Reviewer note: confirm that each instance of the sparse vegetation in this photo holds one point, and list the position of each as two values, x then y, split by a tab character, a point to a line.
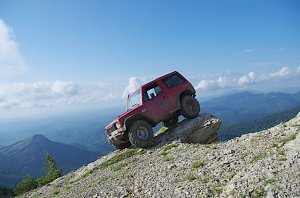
259	157
259	192
282	158
215	191
119	166
169	146
163	153
269	181
197	164
55	192
190	177
212	145
203	179
121	156
274	145
289	137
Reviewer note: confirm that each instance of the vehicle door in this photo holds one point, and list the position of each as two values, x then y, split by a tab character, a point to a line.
155	102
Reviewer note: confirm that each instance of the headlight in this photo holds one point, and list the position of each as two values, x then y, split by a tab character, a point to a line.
118	124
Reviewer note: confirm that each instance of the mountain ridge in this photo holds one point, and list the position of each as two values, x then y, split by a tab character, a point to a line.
27	157
247	106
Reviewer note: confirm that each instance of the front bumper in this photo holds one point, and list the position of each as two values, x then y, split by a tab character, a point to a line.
117	136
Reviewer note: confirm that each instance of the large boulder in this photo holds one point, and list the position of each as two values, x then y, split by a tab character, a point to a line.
202	129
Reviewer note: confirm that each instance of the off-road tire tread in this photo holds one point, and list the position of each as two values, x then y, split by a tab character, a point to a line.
185	112
134	140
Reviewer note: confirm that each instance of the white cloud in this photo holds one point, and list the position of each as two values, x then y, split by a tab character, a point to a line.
133	84
37	94
206	84
284	71
231	81
11	60
225	81
60	87
247	79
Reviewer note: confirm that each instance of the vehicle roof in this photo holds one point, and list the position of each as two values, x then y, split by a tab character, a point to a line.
156	79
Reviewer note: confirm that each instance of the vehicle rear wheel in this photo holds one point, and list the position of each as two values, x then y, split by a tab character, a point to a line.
171	122
190	107
121	145
140	134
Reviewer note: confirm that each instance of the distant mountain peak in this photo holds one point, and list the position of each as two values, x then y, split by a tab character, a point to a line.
39	138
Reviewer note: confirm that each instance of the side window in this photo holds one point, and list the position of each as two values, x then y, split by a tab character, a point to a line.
173	81
152	91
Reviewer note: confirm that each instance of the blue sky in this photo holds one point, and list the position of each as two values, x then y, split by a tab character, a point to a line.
91	53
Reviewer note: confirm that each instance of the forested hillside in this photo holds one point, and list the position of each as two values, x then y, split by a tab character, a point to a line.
229	132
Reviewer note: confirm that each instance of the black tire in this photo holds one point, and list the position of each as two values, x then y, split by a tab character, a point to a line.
122	145
140	134
190	107
171	122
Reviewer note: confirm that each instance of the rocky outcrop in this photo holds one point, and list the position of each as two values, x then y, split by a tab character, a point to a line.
262	164
202	129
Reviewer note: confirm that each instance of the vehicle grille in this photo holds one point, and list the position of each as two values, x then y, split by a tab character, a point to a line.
111	129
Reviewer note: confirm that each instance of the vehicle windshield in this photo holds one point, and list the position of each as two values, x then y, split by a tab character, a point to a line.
134	100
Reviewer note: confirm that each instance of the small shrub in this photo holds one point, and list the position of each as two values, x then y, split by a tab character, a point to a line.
67	188
55	192
197	164
163	153
216	191
281	151
203	179
190	177
274	145
282	158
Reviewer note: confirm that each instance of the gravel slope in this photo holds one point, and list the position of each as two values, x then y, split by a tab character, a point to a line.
261	164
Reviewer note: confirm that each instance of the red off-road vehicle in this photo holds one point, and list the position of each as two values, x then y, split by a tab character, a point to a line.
161	100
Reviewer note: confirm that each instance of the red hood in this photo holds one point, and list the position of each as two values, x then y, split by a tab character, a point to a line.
123	116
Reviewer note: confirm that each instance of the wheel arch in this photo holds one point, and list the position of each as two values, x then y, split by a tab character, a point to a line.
182	94
134	118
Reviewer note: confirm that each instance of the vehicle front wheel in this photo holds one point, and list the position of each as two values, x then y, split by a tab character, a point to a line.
140	134
190	107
